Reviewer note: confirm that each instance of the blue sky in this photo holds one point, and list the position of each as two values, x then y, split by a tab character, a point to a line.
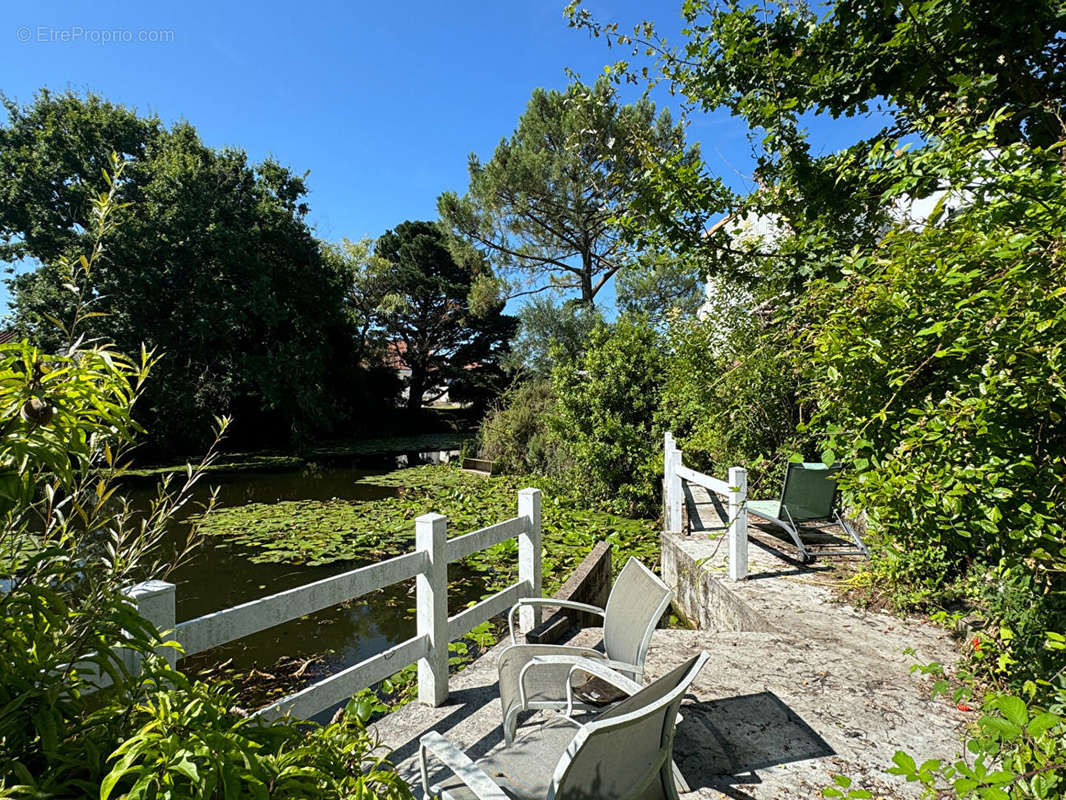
381	102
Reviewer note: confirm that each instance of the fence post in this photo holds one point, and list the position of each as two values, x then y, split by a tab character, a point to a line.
431	593
738	523
529	555
668	449
672	490
155	601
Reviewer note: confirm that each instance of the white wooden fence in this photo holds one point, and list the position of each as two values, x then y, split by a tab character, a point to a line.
428	565
735	489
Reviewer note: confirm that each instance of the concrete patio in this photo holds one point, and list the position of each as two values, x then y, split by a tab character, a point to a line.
798	687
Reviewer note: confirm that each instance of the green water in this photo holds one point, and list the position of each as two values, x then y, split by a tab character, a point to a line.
220	575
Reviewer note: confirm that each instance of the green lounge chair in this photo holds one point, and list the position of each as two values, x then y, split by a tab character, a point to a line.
809	494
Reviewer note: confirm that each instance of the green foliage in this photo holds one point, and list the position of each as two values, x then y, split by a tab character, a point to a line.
212	265
60	408
549	332
426	310
928	351
516	434
661	286
955	439
607	405
730	396
545	204
774	63
88	708
1020	610
302	532
186	745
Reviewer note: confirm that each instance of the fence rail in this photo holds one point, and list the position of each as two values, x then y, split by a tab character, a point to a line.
220	627
735	489
428	565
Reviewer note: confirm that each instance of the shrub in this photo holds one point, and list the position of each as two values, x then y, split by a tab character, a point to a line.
185	744
730	396
607	404
937	364
516	432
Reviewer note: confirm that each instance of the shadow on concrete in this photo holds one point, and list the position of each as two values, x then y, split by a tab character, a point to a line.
768	539
720	744
698	516
462	704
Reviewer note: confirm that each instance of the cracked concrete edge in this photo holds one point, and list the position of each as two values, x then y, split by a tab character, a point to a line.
703	598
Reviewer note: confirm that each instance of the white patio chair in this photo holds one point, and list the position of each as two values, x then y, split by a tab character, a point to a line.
538	676
624	753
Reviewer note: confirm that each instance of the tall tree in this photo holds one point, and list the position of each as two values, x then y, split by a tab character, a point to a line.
211	263
907	64
432	313
549	332
545	205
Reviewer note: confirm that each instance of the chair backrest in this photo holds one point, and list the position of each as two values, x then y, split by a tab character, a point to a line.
809	491
634	607
627	751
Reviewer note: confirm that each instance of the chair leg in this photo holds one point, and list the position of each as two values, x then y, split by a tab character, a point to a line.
671	781
851	532
679	782
510	725
793	531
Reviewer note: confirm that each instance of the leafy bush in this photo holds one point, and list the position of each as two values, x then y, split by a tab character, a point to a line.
1019	611
607	406
185	744
550	332
517	435
937	365
731	395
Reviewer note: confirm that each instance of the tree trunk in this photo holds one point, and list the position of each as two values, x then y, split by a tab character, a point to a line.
587	294
416	387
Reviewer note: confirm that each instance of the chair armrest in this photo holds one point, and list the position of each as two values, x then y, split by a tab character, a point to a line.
601	671
548	601
615	666
600	667
460	764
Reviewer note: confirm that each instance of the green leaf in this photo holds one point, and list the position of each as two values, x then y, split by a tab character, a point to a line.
1002	728
904	762
188	769
1014	709
1042	723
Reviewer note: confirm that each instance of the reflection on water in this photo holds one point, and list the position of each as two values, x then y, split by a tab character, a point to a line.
219	576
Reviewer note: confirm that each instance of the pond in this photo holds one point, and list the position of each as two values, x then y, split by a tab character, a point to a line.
220	574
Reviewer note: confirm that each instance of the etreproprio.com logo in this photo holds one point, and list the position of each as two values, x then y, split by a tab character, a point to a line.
48	34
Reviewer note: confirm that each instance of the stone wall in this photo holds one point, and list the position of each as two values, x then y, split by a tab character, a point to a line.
700	595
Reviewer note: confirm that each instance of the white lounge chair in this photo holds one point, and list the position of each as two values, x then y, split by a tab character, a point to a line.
538	676
622	754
